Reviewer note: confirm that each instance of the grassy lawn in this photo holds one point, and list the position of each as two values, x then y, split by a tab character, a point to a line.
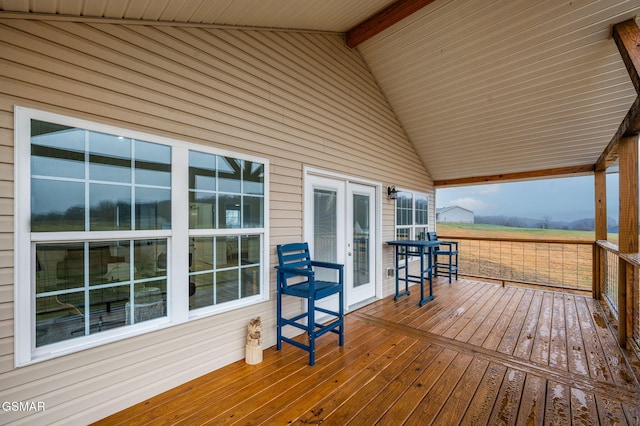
496	231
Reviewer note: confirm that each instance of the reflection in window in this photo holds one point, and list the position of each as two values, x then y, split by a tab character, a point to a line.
86	287
404	208
111	177
224	268
224	192
100	239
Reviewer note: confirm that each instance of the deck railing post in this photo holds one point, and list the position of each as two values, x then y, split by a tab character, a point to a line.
628	231
600	179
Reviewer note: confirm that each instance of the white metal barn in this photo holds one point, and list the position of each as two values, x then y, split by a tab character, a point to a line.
455	214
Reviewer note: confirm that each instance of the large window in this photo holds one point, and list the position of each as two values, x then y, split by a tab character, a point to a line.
412	216
120	232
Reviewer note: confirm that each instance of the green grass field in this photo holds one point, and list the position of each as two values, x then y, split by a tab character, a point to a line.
496	231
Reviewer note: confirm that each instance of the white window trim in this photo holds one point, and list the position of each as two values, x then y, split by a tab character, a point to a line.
177	239
413	226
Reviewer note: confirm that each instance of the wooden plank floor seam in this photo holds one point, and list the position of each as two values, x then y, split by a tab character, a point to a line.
629	394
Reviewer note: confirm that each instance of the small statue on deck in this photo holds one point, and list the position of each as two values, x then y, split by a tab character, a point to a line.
254	341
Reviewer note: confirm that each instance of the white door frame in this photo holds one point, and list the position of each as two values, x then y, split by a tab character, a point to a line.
308	223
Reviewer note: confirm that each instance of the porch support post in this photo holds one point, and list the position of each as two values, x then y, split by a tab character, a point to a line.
628	232
601	231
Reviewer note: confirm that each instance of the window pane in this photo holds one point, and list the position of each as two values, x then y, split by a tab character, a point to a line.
226	252
253	178
229	174
150	258
403	234
149	302
59	317
202	210
153	208
56	150
227	286
201	256
107	308
153	164
361	240
203	295
111	259
110	207
404	209
250	248
421	233
422	210
59	267
57	206
229	216
110	158
101	261
325	216
202	171
252	212
250	281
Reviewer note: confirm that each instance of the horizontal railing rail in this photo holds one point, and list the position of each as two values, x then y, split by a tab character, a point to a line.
566	264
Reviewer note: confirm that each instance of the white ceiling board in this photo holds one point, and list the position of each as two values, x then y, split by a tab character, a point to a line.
505	86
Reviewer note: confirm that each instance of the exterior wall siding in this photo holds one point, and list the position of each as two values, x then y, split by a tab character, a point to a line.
297	99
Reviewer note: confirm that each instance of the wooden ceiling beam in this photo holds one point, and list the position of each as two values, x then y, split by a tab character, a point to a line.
627	37
534	174
382	20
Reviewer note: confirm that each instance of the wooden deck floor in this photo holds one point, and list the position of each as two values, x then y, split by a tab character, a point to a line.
478	354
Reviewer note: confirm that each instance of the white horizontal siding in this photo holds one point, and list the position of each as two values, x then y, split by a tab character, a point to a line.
296	99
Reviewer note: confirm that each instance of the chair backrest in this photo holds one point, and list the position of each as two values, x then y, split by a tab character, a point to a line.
432	236
294	255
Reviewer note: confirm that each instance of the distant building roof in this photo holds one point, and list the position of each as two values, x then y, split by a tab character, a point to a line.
446	209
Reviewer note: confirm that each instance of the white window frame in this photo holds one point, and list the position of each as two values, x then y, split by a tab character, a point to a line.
177	241
413	226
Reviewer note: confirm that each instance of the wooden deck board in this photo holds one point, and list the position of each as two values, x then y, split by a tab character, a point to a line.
478	354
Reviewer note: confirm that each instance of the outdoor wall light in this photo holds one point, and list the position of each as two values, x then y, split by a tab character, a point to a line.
392	192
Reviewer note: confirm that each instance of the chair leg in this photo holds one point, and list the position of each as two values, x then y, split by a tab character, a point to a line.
311	327
341	310
435	265
279	320
456	265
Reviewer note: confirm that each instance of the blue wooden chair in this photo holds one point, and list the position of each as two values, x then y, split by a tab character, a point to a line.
296	276
447	250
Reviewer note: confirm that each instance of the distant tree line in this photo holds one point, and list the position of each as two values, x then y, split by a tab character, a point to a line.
546	222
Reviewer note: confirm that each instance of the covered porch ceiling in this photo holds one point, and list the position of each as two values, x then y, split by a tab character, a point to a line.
484	90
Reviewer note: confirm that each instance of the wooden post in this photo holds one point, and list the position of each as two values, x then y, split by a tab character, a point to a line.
628	232
601	231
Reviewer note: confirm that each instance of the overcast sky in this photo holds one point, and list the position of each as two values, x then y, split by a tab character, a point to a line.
562	199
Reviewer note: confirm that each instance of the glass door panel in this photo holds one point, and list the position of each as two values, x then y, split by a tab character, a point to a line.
361	244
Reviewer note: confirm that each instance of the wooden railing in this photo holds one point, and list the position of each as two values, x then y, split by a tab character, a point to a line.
617	282
632	299
607	286
562	264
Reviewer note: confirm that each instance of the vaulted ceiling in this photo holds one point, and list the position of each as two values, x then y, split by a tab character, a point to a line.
482	88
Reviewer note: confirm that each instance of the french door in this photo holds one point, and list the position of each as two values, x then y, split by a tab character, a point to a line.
341	227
